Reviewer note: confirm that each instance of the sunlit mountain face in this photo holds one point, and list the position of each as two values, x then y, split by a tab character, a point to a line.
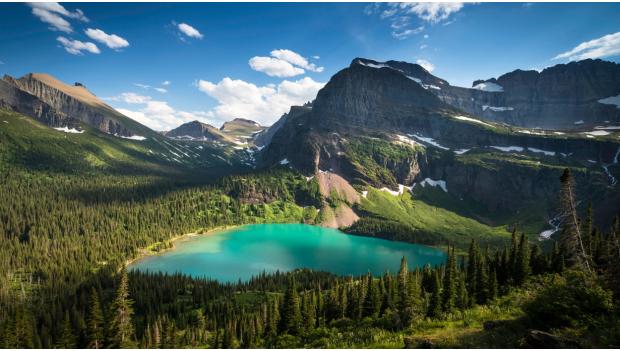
320	175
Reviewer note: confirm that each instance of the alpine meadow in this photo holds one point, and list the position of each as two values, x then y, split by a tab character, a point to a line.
309	175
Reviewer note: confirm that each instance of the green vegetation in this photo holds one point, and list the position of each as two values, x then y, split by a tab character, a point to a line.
75	207
404	218
372	158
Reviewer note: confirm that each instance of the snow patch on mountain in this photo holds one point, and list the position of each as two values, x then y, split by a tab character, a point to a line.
434	183
469	119
134	137
612	100
429	141
597	133
496	109
461	151
68	130
401	190
547	153
489	86
508	148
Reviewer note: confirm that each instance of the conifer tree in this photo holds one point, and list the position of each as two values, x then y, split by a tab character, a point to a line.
522	268
291	312
434	306
95	322
67	339
449	283
472	268
121	326
372	299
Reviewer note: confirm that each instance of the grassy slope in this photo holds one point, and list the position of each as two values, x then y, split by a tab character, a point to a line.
421	216
29	144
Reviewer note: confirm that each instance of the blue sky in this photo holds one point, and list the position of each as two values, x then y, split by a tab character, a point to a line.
222	61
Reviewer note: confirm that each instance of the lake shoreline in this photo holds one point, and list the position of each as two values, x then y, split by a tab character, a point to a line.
243	254
146	252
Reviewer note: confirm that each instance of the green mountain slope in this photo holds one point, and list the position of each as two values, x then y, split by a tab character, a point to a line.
29	144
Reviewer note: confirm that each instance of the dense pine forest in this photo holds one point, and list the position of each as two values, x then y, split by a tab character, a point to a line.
64	284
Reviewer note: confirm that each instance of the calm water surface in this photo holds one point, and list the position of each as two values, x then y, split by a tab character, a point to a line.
246	251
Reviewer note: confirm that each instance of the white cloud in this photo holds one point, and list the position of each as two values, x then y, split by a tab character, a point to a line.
433	12
425	64
238	98
274	67
166	82
423	46
143	86
52	13
189	31
404	34
605	46
283	63
112	41
75	47
161	90
158	115
400	15
296	59
316	57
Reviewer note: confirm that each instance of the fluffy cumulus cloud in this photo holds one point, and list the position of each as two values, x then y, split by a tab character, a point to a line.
112	41
156	114
401	15
55	15
274	67
264	104
76	47
605	46
433	12
425	64
189	31
283	63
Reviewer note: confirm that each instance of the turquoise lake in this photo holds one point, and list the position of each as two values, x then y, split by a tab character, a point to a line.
243	252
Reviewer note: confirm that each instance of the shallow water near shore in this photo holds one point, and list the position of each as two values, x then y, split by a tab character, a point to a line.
246	251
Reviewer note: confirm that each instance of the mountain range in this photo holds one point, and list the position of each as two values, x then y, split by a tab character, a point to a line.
491	154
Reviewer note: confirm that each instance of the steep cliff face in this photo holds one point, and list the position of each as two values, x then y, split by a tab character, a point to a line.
77	103
499	167
564	96
14	99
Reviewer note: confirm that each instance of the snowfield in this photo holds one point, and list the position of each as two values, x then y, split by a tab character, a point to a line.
134	137
489	86
68	130
597	133
612	100
547	153
496	109
508	148
469	119
401	190
434	183
429	141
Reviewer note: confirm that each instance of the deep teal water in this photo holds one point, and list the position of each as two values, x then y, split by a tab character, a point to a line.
246	251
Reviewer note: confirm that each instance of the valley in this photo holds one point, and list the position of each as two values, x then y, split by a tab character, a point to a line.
387	162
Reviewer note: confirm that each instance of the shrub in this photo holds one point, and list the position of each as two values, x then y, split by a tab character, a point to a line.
572	300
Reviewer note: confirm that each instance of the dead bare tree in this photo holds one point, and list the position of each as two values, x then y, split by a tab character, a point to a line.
571	238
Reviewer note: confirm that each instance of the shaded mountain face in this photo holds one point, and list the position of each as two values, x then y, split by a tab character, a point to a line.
565	96
384	124
70	104
197	130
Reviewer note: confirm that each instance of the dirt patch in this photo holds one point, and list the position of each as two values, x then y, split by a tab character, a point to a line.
331	182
